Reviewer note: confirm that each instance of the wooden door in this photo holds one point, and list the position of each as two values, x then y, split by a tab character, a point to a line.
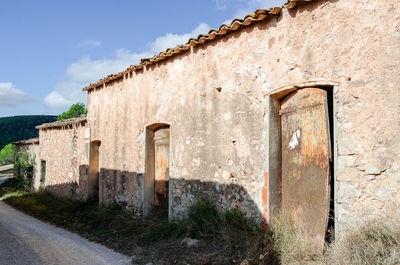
305	161
94	170
161	170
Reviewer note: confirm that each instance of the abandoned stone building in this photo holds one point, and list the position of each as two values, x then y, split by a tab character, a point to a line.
294	108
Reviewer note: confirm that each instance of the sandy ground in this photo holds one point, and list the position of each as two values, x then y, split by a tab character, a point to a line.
26	240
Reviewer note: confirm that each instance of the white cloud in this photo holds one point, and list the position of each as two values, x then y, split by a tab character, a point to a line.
222	4
66	93
68	90
171	40
79	74
88	43
247	6
86	70
10	96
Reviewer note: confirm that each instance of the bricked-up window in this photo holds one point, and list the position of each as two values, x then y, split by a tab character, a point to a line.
42	173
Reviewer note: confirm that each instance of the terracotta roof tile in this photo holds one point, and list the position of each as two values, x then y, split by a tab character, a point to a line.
259	15
63	123
26	142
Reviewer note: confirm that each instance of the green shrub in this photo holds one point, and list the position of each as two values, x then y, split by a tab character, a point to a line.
203	219
25	165
236	220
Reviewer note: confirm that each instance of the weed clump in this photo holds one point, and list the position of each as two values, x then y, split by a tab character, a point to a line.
203	220
290	243
375	242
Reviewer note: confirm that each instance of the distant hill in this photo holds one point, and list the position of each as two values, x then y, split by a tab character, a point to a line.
21	127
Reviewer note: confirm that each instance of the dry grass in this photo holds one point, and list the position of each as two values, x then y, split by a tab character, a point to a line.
371	243
290	244
376	242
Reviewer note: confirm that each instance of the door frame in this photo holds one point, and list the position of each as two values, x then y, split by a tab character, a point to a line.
149	170
273	146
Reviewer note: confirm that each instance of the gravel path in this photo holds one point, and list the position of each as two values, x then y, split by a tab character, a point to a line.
26	240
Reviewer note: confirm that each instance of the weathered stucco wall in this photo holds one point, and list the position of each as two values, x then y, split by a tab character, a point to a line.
213	98
65	152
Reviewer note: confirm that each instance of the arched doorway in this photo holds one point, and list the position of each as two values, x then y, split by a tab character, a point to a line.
156	181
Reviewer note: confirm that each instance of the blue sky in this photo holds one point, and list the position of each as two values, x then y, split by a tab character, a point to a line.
49	50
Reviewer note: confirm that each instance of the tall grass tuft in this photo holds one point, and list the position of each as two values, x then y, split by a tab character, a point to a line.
375	242
290	243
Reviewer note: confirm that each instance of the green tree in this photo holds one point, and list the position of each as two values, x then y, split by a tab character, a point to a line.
7	155
74	111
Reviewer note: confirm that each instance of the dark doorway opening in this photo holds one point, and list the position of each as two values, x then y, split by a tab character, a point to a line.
42	180
161	170
331	216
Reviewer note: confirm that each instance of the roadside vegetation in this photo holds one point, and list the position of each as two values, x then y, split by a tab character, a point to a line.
205	236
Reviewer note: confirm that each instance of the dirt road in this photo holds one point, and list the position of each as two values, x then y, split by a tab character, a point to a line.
3	179
26	240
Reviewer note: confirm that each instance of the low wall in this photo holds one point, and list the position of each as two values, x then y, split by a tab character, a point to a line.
6	171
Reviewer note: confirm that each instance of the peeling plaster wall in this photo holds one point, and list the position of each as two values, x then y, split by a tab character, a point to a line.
218	138
66	155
